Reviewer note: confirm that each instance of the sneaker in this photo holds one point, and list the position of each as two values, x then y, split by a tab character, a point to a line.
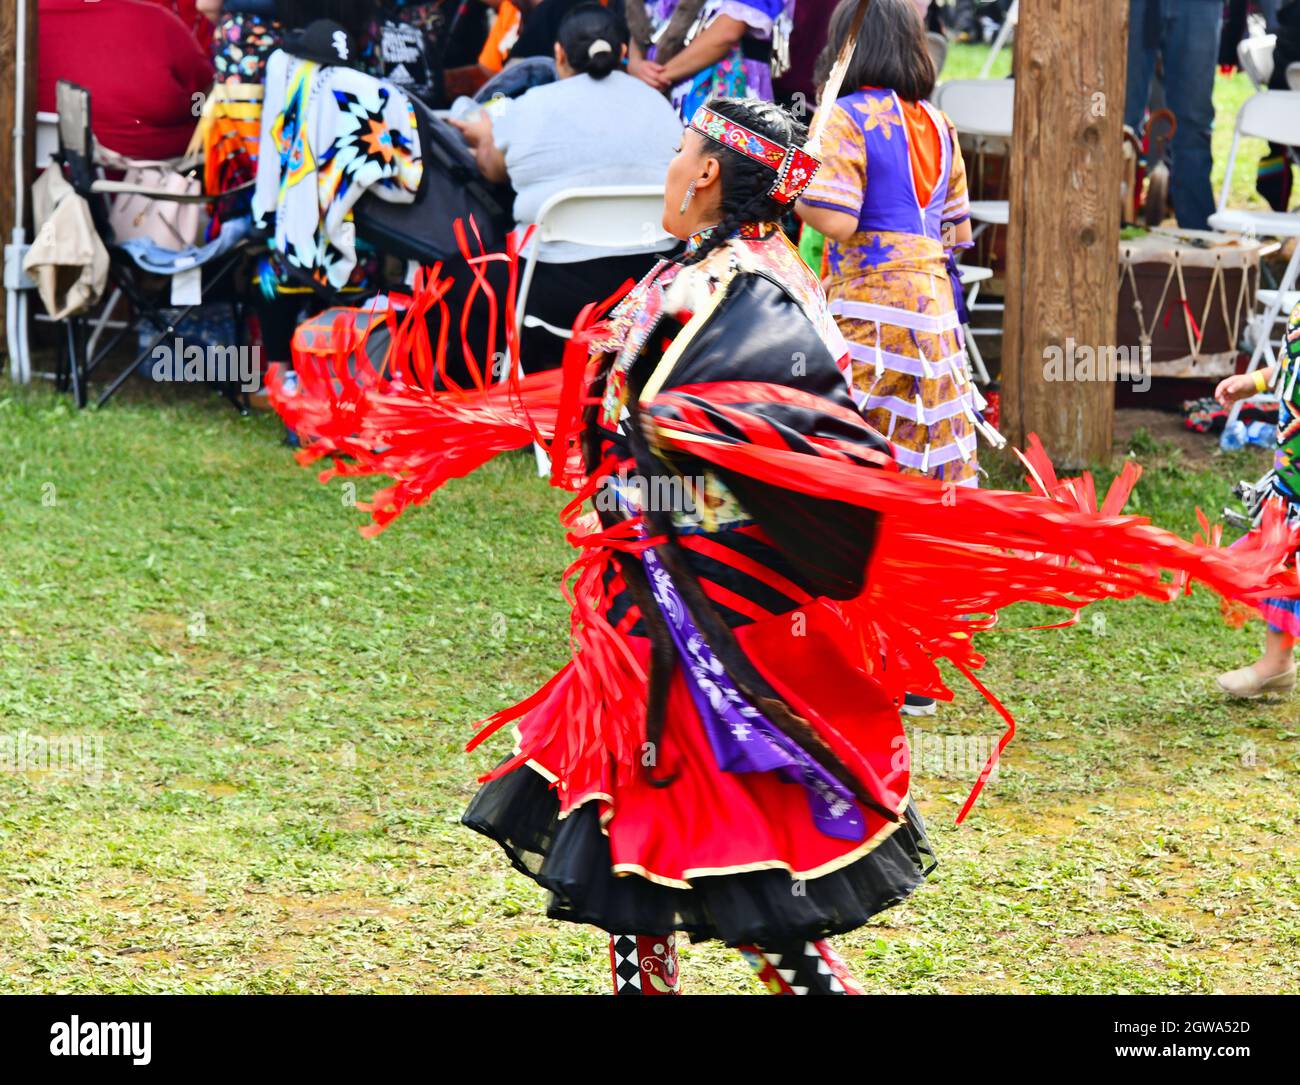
915	705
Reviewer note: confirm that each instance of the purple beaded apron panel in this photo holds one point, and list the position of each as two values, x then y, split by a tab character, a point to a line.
743	739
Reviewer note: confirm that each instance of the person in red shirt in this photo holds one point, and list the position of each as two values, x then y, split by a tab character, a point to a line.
193	14
141	64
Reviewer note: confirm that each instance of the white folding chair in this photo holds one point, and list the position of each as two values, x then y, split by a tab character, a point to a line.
1255	58
971	277
603	217
983	108
1272	115
1003	36
937	44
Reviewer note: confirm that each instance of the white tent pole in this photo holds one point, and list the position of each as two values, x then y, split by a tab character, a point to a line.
15	308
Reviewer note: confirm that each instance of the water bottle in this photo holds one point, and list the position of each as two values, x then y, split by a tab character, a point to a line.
1234	436
290	387
1261	434
1238	435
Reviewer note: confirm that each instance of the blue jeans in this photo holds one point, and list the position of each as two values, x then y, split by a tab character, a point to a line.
1186	33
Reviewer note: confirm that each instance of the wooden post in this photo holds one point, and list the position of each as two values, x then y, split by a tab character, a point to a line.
9	46
1062	275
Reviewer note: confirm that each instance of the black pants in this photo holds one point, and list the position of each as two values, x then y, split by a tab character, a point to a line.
559	293
279	318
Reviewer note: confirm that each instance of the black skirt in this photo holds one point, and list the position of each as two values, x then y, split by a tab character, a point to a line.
570	858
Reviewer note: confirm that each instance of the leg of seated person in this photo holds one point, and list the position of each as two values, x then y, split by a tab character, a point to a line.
561	291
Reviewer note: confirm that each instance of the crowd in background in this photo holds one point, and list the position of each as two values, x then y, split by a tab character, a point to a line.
686	49
563	112
762	48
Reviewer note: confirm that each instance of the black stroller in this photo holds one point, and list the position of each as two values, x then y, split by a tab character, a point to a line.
423	232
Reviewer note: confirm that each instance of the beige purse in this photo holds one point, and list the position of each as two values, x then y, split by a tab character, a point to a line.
169	225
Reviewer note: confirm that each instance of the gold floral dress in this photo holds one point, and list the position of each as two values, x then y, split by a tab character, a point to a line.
896	167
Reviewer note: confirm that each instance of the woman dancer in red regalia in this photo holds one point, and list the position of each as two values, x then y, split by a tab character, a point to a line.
756	586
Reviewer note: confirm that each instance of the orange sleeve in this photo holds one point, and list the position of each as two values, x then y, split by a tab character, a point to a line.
842	181
501	39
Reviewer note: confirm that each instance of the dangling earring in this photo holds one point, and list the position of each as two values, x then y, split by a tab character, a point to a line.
690	195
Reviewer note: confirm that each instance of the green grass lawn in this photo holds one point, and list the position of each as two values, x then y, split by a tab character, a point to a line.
282	707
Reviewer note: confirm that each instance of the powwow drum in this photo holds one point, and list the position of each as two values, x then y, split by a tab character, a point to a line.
1185	297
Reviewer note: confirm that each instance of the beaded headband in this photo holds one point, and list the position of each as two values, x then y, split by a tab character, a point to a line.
795	167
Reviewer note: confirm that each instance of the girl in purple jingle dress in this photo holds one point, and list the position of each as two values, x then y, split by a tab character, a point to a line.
891	200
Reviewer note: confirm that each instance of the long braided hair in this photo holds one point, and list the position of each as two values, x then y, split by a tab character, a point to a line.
746	184
672	39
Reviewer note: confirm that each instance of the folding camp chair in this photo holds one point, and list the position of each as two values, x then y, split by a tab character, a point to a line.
129	273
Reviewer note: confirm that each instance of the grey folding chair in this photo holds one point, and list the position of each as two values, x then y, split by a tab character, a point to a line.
136	283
